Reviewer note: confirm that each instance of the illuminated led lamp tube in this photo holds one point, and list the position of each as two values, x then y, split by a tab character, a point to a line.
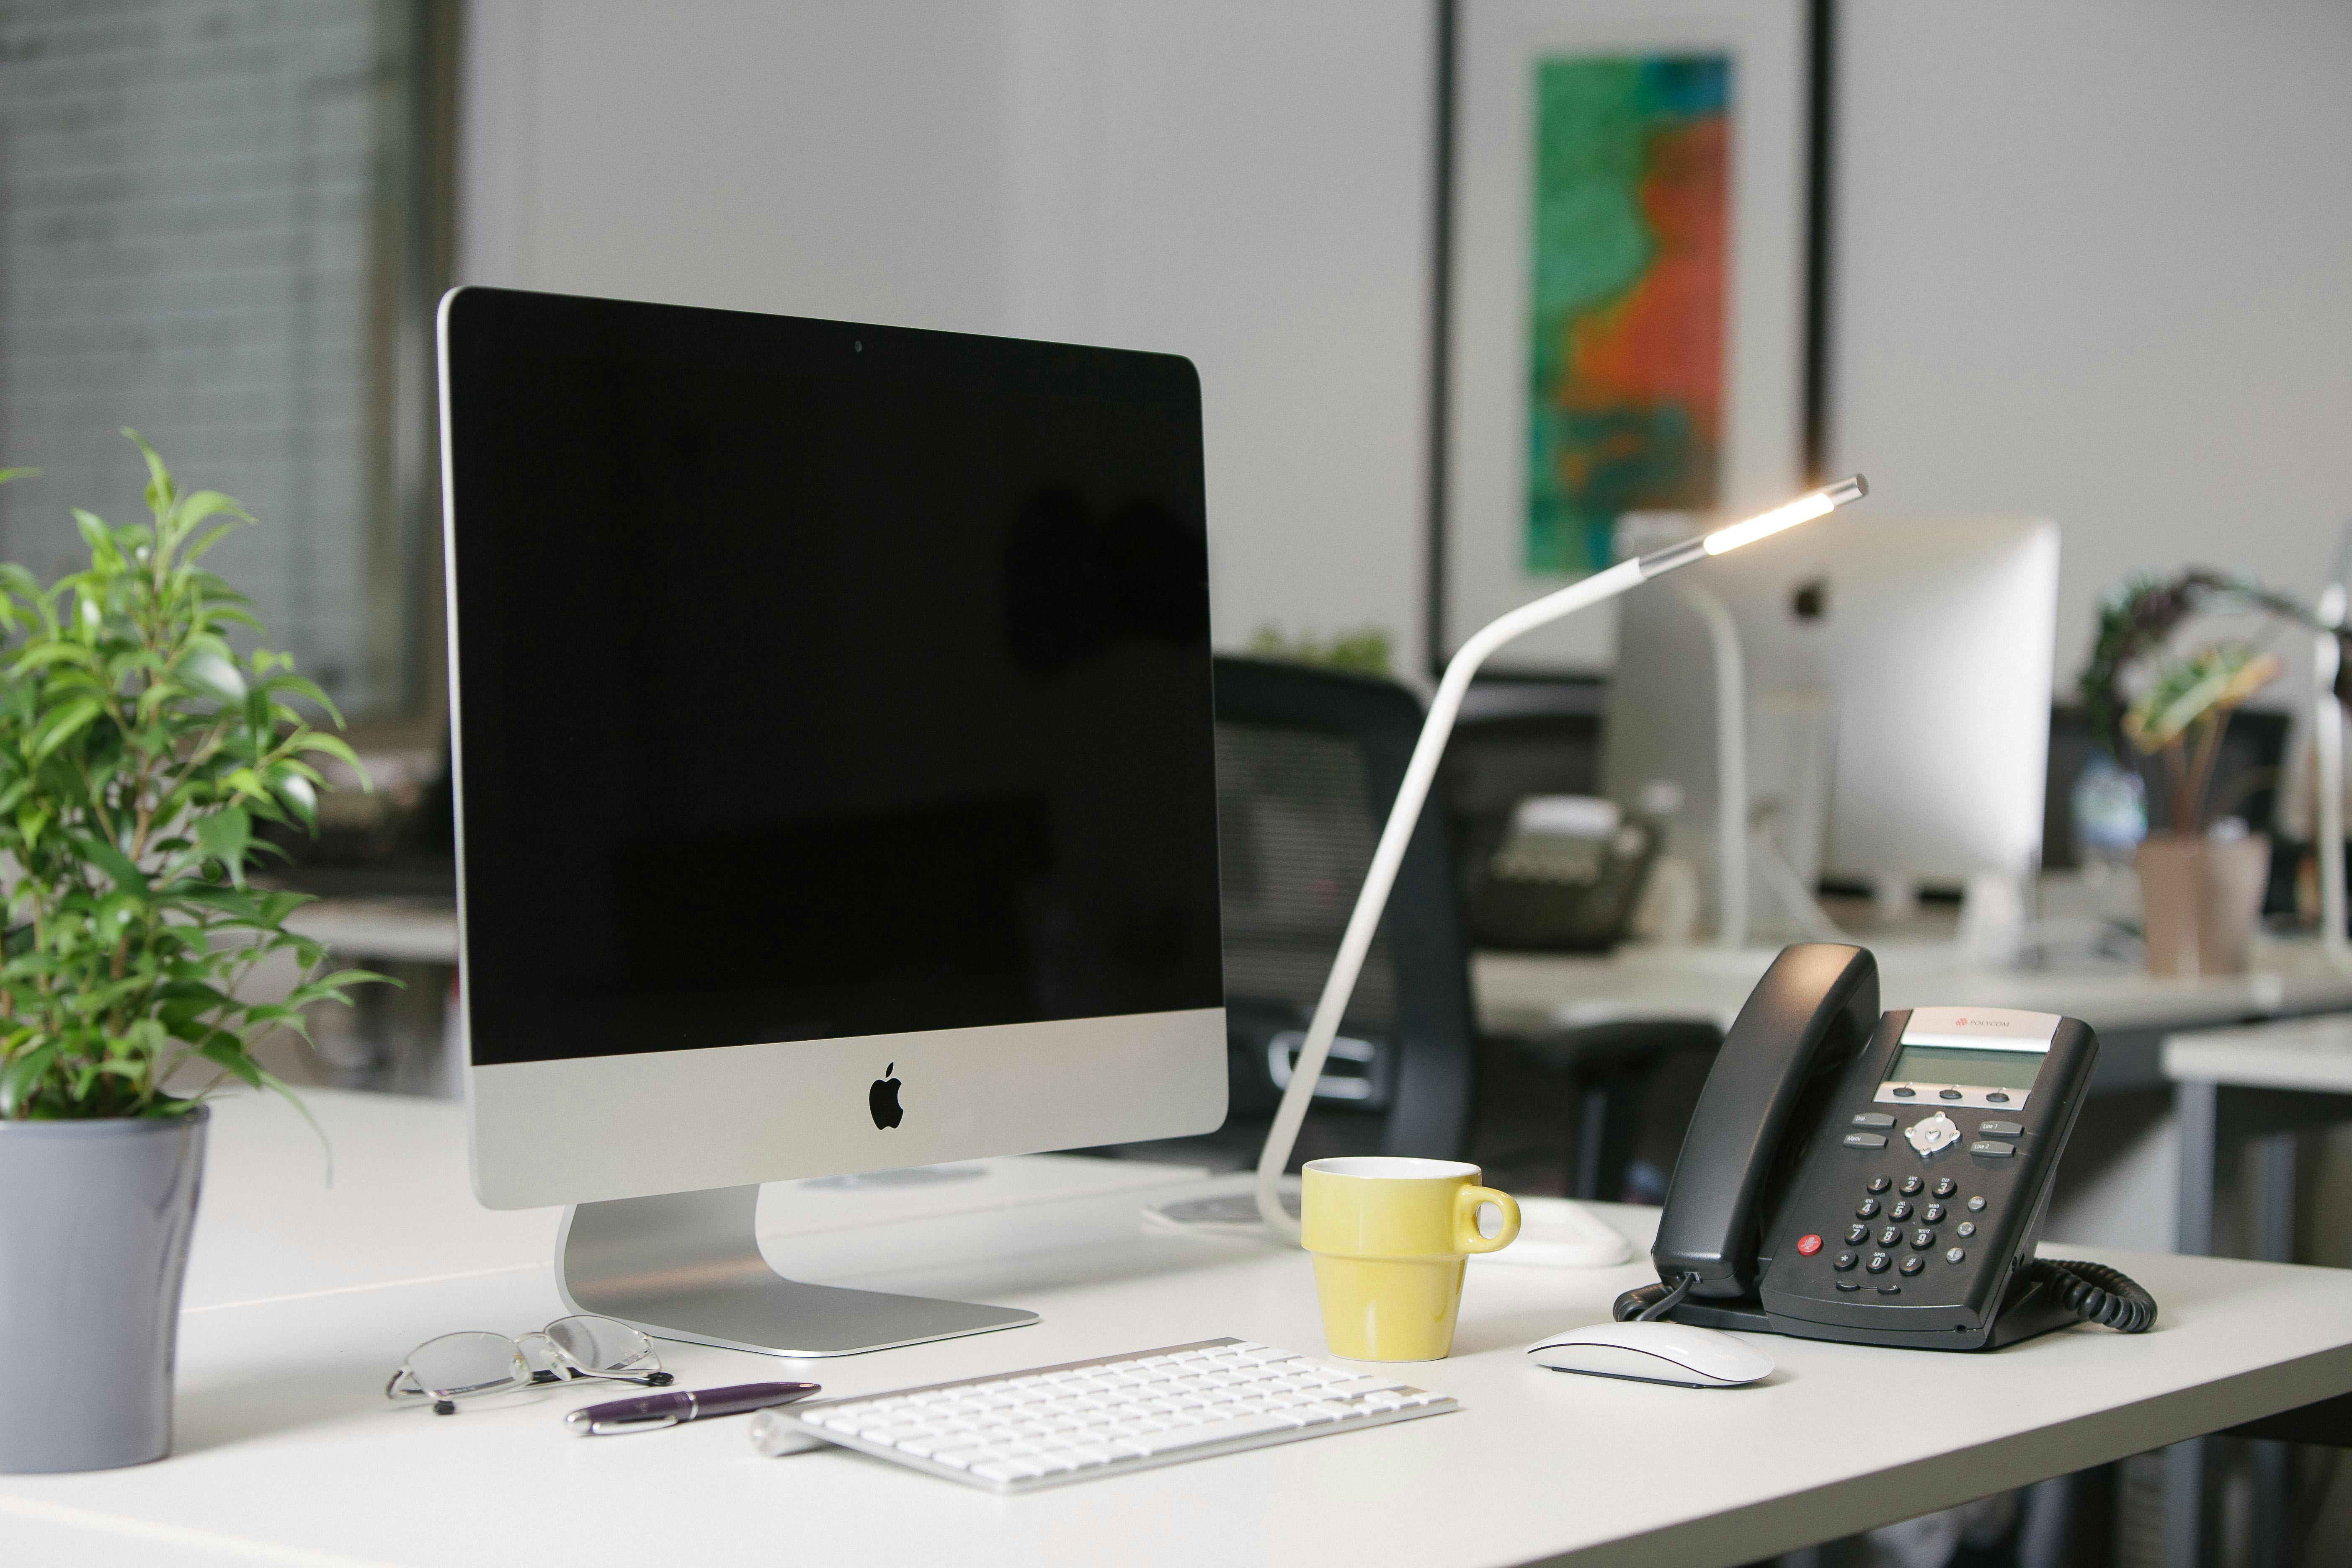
1423	770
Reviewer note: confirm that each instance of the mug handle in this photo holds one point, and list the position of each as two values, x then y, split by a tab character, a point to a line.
1465	1219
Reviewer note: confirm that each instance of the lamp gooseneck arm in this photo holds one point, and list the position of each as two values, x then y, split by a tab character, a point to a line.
1387	855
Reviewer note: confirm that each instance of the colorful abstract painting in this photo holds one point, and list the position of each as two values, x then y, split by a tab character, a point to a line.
1632	227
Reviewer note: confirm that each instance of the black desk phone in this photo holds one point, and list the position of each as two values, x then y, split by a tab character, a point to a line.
1879	1180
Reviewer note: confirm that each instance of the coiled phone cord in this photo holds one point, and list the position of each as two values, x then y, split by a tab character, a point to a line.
2091	1291
2096	1294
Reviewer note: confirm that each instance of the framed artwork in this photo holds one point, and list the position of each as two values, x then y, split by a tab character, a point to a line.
1622	316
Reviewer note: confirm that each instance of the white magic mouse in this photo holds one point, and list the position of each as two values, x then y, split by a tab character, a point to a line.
1654	1353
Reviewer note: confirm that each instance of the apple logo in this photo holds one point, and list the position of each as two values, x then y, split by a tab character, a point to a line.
882	1099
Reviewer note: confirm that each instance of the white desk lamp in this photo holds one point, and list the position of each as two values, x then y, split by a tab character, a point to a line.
1406	813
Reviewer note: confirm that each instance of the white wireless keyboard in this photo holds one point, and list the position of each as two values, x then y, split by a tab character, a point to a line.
1103	1417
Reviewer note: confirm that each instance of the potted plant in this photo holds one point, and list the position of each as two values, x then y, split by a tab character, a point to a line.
2201	880
137	751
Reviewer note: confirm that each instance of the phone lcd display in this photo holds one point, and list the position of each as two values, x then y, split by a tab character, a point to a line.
1966	1069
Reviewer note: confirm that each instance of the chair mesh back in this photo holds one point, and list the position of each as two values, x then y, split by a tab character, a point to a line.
1295	832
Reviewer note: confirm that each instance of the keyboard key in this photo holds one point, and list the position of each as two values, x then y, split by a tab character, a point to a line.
1007	1470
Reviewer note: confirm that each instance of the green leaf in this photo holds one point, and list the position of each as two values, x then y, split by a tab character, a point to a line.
23	1076
195	551
333	745
209	503
111	859
230	1055
41	654
224	836
161	490
213	676
64	724
7	474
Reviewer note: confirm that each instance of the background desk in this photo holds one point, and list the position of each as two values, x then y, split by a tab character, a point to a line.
303	1298
1532	994
2266	1083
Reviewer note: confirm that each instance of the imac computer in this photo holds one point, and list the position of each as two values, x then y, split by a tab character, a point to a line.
834	754
1896	679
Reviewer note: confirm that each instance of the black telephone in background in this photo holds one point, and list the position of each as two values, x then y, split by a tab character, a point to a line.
1878	1180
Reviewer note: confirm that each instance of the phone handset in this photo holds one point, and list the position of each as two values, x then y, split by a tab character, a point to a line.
1809	1016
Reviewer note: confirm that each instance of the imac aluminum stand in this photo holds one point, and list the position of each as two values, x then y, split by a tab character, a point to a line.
687	1266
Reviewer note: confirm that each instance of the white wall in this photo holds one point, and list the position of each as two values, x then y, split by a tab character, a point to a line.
1245	184
2092	254
2094	260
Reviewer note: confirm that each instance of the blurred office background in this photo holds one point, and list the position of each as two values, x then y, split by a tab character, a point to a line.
2085	259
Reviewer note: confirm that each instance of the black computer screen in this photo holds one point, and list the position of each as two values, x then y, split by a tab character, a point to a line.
816	679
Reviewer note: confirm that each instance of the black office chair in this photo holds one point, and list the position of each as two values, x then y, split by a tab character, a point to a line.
1308	764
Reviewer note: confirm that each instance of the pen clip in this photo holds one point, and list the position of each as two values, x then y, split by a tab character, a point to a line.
601	1428
591	1426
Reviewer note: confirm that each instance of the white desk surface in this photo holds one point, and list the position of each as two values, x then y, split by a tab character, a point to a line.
1534	993
2293	1053
303	1298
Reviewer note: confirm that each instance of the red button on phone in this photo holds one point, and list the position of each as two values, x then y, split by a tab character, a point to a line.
1809	1245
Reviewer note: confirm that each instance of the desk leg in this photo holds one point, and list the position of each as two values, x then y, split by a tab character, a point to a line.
2274	1160
2184	1504
2275	1155
2197	1112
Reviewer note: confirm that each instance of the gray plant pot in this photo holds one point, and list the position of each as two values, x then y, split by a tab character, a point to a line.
94	1223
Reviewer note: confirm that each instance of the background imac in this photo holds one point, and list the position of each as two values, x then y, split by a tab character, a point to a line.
1897	679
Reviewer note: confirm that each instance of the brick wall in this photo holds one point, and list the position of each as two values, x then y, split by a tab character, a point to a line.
187	194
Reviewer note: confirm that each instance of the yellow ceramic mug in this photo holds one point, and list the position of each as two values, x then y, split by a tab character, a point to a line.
1390	1236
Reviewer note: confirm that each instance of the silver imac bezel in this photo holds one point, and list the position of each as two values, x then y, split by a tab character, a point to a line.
590	1130
597	1128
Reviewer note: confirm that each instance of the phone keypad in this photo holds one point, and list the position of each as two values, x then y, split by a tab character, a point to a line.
1891	1253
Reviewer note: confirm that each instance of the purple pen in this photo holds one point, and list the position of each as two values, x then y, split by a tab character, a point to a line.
650	1412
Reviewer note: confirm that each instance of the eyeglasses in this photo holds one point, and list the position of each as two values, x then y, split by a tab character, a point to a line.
455	1366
